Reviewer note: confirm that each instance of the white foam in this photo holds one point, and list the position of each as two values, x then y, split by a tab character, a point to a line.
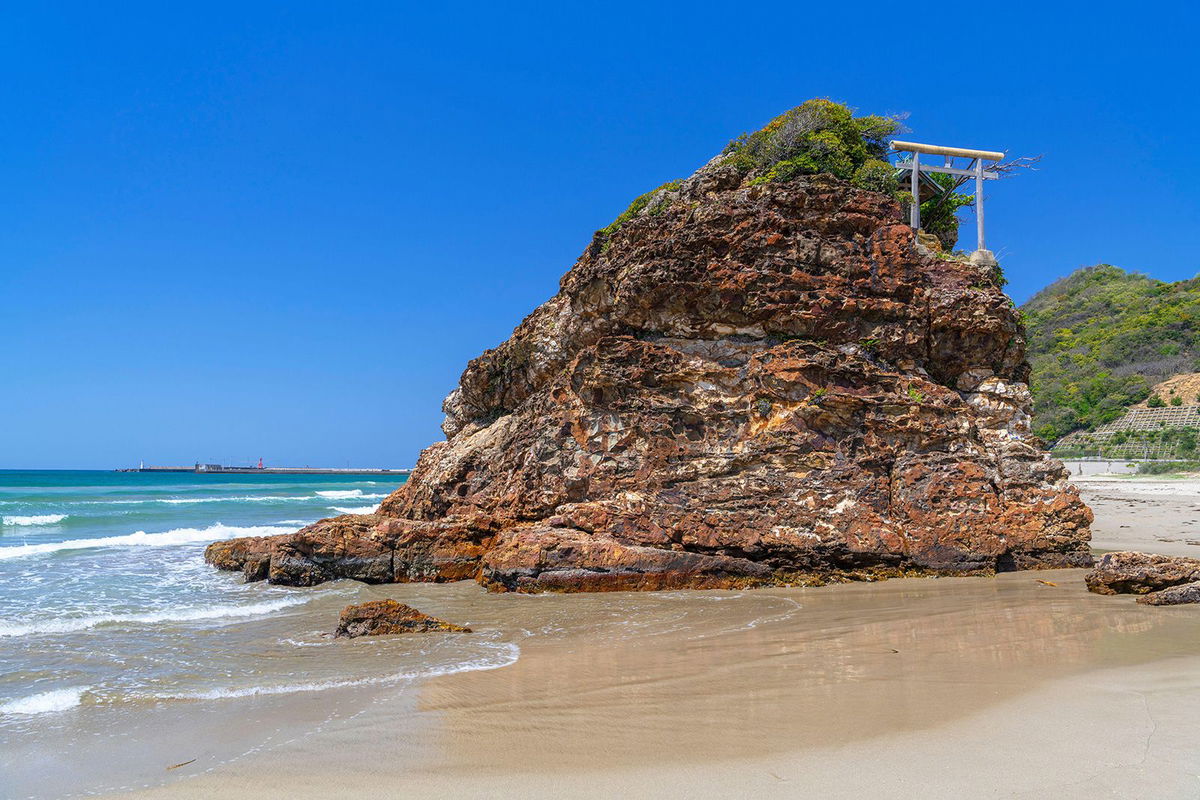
300	522
175	501
73	624
46	702
36	519
142	539
341	494
358	510
507	654
333	494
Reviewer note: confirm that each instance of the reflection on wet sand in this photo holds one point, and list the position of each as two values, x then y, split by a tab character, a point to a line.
696	676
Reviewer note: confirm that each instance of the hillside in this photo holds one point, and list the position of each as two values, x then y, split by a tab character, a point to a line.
1100	338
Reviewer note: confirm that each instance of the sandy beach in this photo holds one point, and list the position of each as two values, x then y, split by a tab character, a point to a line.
1021	685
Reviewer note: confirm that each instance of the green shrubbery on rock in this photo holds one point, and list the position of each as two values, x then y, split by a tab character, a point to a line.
823	137
1100	338
640	202
816	137
819	136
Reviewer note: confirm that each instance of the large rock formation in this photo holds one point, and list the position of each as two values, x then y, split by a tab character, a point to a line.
743	384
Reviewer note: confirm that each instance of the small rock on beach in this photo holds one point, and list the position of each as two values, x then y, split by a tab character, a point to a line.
383	617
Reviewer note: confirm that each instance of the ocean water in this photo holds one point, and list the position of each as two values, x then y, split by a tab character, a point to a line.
118	643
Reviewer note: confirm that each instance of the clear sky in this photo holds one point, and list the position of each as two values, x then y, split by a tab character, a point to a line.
232	230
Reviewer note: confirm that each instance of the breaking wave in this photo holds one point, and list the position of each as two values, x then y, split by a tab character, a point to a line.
35	519
73	624
358	510
143	539
341	494
333	494
45	702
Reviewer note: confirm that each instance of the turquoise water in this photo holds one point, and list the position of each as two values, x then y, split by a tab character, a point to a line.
111	623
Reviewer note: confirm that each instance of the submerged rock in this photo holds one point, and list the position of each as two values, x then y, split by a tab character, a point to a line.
1165	580
745	383
383	617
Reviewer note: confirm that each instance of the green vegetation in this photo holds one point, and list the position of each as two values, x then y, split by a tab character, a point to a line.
1167	467
915	394
640	202
1161	443
820	136
939	215
1100	338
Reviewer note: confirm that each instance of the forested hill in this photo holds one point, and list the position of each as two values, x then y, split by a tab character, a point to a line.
1100	338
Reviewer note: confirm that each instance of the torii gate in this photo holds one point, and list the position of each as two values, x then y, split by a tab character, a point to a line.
974	169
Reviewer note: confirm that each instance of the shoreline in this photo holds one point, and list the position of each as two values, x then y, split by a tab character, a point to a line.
1007	686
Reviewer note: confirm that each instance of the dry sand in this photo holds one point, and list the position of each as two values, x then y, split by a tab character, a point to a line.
1152	516
1023	685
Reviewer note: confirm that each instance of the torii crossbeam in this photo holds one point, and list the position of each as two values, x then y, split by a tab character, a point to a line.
918	173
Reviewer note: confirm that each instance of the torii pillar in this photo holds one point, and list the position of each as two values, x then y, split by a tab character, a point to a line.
975	169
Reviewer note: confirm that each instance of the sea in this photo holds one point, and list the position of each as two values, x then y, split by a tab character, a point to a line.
121	649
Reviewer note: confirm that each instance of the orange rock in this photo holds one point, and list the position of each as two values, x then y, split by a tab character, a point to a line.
750	385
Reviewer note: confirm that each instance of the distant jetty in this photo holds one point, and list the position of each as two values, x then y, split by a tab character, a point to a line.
220	469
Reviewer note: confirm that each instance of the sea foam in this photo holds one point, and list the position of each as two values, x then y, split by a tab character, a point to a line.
341	494
358	510
73	624
505	654
45	702
333	494
35	519
143	539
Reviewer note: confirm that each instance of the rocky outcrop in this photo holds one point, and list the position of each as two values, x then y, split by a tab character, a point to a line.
1163	580
743	384
1174	596
385	617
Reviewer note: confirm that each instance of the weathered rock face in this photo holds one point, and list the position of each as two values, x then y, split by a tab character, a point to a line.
743	385
385	617
1162	580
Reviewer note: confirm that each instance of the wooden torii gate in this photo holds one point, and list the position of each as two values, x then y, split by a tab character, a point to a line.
918	177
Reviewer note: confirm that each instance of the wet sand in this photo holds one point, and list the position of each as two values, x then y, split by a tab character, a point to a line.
1023	685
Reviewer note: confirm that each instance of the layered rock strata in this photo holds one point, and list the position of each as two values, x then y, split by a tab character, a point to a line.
744	384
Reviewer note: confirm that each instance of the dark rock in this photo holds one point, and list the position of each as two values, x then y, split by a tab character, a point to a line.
383	617
1174	596
746	384
1141	573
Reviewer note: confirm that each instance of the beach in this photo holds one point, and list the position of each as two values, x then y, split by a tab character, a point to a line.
160	677
1021	685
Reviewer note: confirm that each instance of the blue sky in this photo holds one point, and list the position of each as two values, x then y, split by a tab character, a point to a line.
240	230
